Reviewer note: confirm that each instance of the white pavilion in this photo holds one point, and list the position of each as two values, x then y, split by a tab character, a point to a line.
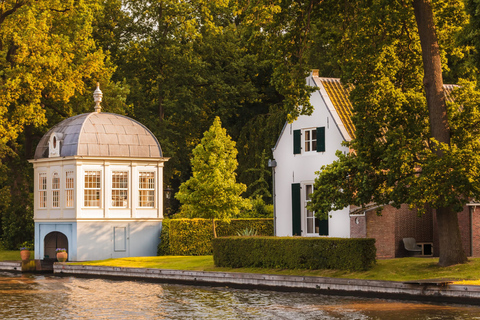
98	188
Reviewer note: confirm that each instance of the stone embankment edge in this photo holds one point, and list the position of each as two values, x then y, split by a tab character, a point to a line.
424	291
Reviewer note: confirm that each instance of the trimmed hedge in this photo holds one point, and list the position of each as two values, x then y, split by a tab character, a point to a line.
163	248
193	237
294	253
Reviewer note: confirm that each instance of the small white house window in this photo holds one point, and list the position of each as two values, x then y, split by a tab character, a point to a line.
312	221
42	189
146	189
69	185
310	140
120	189
55	190
92	188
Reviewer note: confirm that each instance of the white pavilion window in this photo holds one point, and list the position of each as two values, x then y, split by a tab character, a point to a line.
42	189
120	189
69	186
146	189
55	190
92	188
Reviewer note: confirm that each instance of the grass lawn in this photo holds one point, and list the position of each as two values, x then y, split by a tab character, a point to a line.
12	255
401	269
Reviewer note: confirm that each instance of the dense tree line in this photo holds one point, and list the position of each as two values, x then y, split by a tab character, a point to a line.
176	65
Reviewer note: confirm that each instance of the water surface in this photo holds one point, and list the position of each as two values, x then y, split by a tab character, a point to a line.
50	297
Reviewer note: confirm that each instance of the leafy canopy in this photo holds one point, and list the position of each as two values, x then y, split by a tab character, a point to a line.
395	158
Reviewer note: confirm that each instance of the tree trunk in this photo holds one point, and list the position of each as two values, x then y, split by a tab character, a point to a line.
214	229
451	249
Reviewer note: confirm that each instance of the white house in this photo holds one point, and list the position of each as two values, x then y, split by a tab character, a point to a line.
98	188
303	147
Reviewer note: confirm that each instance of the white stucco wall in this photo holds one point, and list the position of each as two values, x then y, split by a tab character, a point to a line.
90	230
105	239
301	168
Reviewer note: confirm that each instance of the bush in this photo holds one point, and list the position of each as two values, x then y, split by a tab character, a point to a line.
194	236
294	253
164	245
190	237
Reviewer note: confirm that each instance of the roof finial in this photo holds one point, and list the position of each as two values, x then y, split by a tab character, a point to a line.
97	97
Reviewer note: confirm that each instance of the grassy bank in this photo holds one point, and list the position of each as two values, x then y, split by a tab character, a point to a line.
402	269
12	255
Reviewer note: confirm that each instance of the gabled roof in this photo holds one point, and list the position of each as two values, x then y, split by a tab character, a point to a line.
336	97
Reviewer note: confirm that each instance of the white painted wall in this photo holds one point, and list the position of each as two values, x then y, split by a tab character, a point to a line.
301	168
91	231
96	239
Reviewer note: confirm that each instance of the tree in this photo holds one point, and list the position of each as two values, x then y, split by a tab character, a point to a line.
212	192
48	62
410	147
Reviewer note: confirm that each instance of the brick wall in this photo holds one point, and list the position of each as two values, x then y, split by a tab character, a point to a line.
358	226
393	225
475	231
382	228
409	225
465	230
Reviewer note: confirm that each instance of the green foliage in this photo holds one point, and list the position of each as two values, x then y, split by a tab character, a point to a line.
164	245
259	209
190	237
393	137
294	253
247	232
212	192
263	227
194	236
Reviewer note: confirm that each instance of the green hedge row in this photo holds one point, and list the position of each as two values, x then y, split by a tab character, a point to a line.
193	237
294	253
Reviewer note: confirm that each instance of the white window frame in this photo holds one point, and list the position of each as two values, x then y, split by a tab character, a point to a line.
42	190
93	188
146	191
55	190
309	216
119	194
69	188
309	142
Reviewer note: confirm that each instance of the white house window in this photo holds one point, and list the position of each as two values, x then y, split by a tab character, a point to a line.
120	189
42	189
55	190
146	189
310	142
312	222
92	188
69	185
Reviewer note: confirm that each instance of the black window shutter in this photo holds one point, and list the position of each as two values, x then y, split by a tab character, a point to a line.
321	139
297	142
296	210
323	227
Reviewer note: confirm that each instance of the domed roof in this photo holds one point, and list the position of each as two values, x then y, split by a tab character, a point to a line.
100	134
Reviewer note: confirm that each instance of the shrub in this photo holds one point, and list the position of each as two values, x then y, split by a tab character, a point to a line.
164	245
294	253
190	237
194	236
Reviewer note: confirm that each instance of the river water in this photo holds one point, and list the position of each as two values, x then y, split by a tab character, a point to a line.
25	296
